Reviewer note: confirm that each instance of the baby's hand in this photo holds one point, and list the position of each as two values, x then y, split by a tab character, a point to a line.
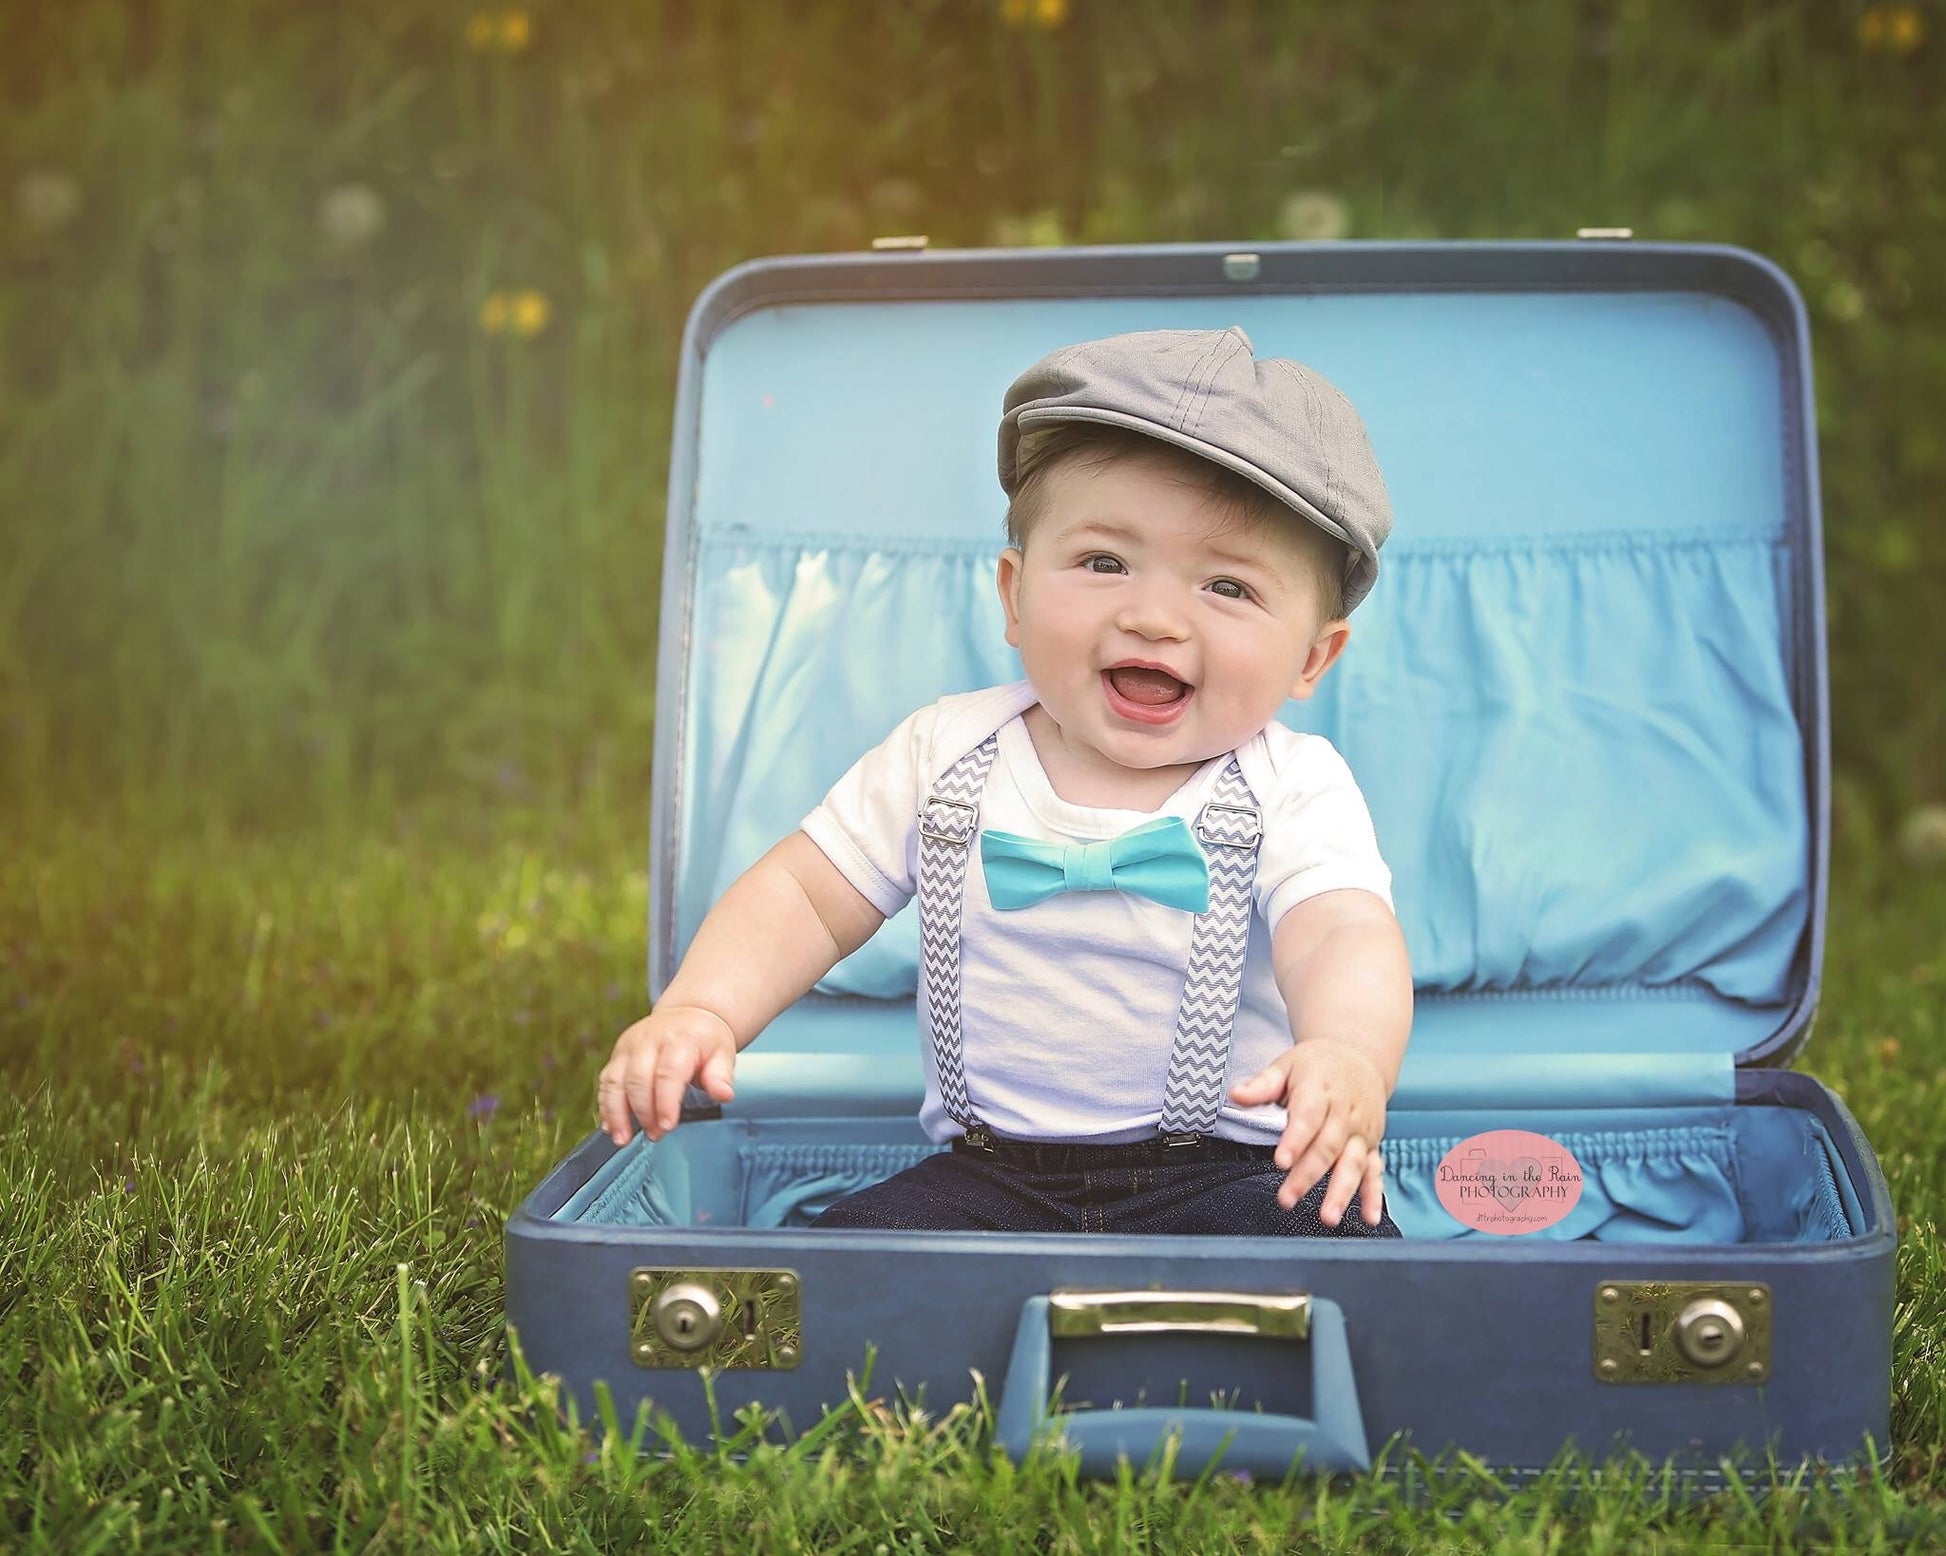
1336	1100
652	1063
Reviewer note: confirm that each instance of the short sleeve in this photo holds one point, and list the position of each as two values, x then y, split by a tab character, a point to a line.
1318	834
868	824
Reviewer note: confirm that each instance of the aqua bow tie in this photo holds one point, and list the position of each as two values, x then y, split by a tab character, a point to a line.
1158	860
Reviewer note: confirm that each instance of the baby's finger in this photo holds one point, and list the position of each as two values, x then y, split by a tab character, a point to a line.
1301	1128
1313	1164
715	1078
1345	1182
638	1089
675	1064
1267	1085
611	1103
1373	1197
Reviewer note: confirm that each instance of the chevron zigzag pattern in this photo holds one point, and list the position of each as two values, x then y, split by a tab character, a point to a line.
1230	827
947	826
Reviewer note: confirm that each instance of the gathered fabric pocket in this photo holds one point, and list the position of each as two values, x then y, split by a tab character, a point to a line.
1637	1186
792	1185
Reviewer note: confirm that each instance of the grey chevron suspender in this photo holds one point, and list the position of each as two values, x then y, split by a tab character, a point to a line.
1230	829
947	826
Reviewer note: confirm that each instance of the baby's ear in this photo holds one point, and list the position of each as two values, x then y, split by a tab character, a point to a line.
1325	649
1007	580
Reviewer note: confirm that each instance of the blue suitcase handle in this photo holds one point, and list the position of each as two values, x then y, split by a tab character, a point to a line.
1332	1441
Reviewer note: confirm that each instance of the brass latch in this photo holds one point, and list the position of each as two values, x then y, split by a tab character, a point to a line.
714	1318
1660	1331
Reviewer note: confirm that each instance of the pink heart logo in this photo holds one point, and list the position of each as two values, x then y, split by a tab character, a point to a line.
1509	1177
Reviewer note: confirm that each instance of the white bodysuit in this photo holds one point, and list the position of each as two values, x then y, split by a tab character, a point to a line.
1069	1006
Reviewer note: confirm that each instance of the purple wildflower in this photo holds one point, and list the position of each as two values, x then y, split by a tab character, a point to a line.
483	1106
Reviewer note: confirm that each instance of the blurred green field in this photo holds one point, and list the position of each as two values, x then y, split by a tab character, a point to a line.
337	356
339	341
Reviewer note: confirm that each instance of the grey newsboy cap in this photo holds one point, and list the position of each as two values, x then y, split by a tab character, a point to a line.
1269	419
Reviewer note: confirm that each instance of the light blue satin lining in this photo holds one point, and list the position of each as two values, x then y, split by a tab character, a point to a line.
1618	796
1752	1175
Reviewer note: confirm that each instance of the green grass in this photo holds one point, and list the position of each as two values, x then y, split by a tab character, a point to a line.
327	627
251	1269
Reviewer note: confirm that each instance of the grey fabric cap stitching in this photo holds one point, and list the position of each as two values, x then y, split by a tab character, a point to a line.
1274	421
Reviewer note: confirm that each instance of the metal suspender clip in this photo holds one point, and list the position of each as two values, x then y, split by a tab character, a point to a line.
976	1136
1255	826
930	824
1188	1138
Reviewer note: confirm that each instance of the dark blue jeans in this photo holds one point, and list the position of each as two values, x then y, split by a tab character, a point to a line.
1215	1187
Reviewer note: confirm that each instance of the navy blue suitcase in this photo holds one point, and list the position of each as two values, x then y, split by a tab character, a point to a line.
1587	706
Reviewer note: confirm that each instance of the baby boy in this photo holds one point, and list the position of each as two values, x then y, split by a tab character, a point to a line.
1134	883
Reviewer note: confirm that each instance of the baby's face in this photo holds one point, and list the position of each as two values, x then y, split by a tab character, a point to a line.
1154	636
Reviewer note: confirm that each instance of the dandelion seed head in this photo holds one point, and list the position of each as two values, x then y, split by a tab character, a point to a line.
46	200
1313	216
1923	837
351	216
1844	302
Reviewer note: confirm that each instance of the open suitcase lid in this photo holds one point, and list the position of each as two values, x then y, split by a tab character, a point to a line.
1586	701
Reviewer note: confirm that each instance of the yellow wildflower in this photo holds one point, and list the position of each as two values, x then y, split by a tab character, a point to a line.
1904	28
1888	1049
508	31
494	311
530	313
1051	13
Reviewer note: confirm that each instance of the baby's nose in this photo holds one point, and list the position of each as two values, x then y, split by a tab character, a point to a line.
1154	615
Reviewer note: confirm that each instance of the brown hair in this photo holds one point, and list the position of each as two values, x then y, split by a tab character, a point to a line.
1234	499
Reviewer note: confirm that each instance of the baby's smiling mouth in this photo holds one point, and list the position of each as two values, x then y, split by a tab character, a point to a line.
1147	686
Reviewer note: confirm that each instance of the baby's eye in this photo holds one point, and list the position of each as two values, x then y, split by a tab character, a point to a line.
1113	564
1230	589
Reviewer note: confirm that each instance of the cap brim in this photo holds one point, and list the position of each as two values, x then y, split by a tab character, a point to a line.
1357	585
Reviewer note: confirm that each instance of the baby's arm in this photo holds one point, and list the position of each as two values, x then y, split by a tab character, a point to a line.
783	924
1341	966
